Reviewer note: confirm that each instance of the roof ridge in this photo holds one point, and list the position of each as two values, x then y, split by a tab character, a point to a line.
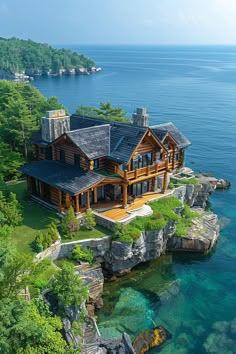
109	121
159	125
94	126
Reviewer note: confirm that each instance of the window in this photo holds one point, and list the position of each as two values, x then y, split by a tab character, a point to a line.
96	164
142	160
62	155
177	157
77	160
42	150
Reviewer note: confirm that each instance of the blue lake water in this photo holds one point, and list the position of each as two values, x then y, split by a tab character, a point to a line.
194	87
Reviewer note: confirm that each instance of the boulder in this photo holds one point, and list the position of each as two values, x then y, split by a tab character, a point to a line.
150	339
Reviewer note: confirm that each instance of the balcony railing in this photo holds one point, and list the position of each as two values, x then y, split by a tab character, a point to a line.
144	171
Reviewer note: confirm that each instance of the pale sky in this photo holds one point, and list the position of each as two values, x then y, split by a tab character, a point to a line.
120	21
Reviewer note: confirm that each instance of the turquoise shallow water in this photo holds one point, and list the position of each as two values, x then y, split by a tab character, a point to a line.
195	87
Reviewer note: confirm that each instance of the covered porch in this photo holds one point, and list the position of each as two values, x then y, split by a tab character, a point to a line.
116	211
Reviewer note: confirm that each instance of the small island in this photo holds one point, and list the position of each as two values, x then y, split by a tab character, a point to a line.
21	60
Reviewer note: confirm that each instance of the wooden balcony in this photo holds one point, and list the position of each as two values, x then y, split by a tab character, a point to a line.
148	170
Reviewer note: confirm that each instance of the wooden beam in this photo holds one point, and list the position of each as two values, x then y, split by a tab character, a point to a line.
88	199
125	195
95	195
77	203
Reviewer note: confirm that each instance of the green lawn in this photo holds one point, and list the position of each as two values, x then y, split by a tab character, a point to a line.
35	218
84	233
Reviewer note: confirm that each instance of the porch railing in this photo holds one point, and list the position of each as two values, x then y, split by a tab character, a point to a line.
144	171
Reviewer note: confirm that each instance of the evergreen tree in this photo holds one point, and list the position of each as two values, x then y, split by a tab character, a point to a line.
68	287
90	220
70	224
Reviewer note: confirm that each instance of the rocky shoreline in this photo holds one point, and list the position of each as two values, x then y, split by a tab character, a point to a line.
115	258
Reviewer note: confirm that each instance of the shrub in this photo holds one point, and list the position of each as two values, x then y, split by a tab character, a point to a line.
171	185
37	244
70	224
157	216
157	224
122	234
188	213
90	221
185	181
181	229
119	230
82	254
52	231
126	238
133	232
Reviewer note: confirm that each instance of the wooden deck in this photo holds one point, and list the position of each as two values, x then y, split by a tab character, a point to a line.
117	212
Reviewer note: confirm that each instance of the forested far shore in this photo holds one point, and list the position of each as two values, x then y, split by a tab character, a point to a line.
32	58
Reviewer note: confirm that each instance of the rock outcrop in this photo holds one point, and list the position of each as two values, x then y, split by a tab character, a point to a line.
202	235
150	245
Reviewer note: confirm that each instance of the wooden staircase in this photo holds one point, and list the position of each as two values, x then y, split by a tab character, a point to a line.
90	343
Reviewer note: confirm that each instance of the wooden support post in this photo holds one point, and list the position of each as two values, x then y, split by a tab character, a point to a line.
88	199
153	184
41	189
148	170
165	183
173	159
125	195
126	175
156	168
136	173
77	203
167	163
67	200
29	184
95	195
59	199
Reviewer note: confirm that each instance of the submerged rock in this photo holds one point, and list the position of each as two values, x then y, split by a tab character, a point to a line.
150	339
172	290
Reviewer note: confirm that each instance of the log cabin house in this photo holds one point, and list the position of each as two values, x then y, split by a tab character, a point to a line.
83	161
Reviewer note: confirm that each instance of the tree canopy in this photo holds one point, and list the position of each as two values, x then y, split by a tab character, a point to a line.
105	111
21	108
18	55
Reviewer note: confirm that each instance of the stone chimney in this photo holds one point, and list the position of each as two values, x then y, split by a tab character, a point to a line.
54	124
140	117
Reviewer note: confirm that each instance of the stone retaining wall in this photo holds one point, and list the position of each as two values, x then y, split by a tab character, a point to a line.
61	250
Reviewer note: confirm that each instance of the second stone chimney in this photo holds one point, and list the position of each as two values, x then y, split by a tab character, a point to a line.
54	124
140	117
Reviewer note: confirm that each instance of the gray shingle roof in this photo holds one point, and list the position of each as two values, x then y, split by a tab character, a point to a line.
65	177
93	141
160	131
124	137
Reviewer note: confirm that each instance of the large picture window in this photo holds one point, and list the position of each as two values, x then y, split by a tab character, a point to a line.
142	160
